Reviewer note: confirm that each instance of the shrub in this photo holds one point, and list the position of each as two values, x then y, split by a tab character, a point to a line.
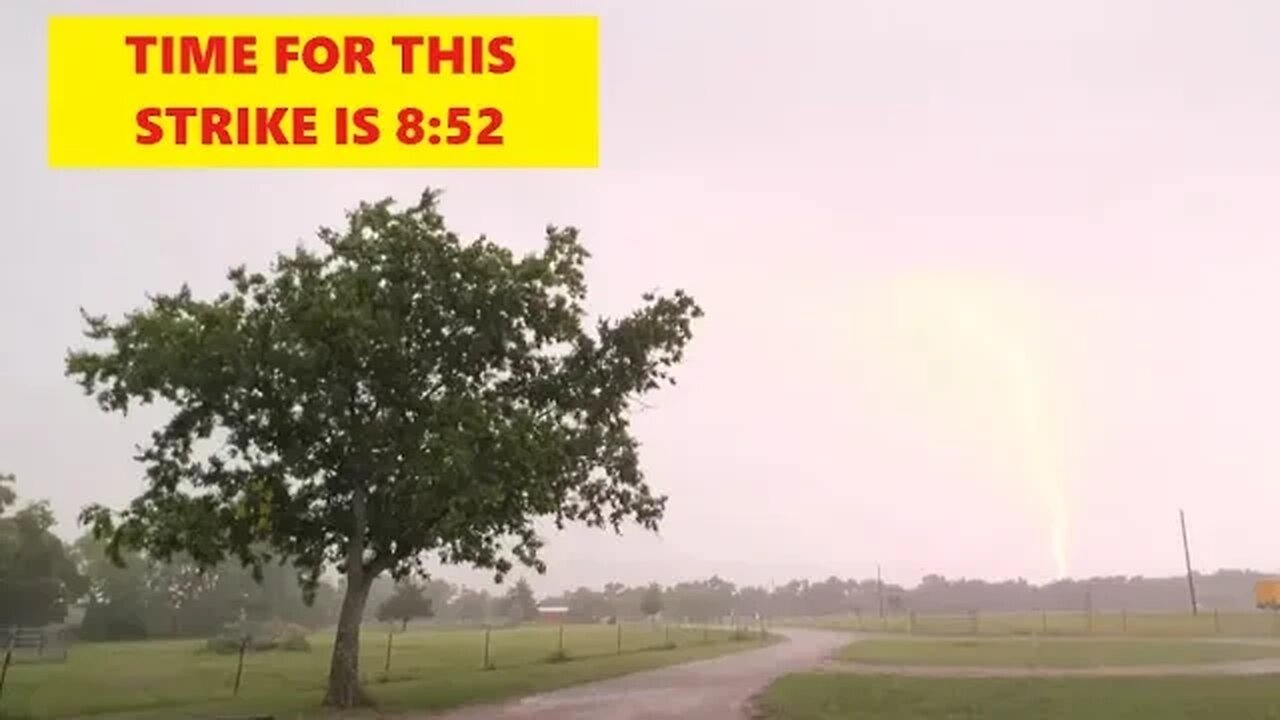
290	637
558	656
261	638
228	643
295	643
224	644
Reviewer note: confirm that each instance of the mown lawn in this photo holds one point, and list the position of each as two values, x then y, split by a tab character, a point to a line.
1050	653
1172	625
430	669
857	697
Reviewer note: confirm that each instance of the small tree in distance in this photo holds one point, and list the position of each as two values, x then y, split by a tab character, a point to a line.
396	397
520	603
651	602
472	606
408	602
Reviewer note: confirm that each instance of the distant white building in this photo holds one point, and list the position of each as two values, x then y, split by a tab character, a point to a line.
553	613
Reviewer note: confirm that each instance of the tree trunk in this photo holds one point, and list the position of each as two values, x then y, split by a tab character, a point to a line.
344	668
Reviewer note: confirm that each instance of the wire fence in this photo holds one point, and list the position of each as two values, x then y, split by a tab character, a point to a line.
507	647
251	667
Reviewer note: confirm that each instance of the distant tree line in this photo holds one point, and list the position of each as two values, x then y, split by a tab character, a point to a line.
717	598
43	581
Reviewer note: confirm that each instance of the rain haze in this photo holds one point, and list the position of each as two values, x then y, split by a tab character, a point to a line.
988	289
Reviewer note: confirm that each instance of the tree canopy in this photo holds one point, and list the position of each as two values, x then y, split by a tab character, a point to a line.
397	394
38	576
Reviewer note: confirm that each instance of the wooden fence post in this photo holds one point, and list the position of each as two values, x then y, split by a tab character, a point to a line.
386	668
619	624
486	664
8	655
244	643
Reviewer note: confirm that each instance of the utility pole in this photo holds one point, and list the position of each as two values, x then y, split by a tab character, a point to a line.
880	590
1186	552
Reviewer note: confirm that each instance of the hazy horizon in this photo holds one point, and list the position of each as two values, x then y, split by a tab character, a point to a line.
985	285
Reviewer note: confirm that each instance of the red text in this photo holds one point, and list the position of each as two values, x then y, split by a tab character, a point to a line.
227	126
458	55
358	126
323	55
193	55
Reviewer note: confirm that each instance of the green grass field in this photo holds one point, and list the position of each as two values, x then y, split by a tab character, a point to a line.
1206	624
430	669
1055	653
855	697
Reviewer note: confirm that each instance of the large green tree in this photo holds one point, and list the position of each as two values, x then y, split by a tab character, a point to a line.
396	394
38	576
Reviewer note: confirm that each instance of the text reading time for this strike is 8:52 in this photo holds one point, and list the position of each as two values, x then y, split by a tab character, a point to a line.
297	126
185	125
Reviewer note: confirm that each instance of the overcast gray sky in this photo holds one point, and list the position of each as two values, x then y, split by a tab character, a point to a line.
990	286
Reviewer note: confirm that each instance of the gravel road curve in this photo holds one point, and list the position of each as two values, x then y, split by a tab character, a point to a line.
717	689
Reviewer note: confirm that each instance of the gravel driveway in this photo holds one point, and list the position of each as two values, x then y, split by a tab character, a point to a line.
716	689
722	688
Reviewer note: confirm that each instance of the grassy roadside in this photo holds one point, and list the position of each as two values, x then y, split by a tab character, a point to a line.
1063	624
1049	653
430	670
818	696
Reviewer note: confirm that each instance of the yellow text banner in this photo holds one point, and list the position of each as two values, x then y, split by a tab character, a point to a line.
210	92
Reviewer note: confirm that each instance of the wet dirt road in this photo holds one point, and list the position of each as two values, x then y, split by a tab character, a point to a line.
717	689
